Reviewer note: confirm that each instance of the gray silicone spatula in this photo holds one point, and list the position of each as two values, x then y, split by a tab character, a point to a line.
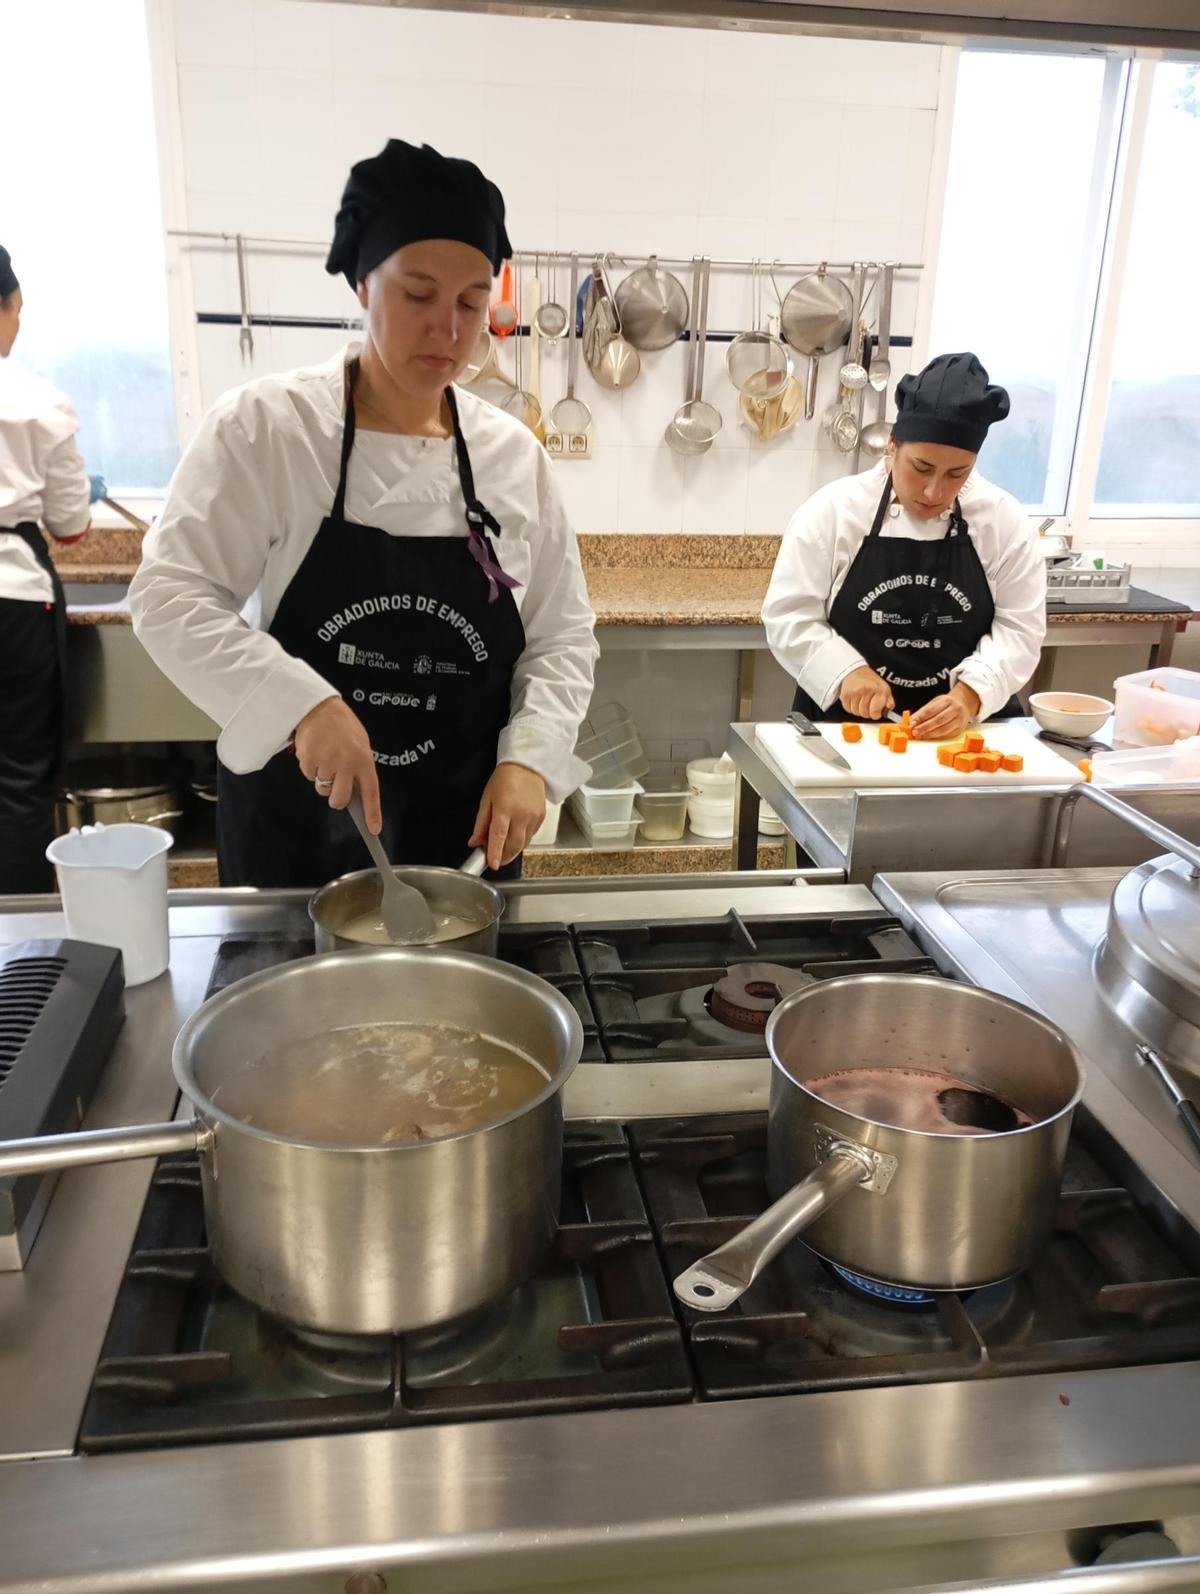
406	915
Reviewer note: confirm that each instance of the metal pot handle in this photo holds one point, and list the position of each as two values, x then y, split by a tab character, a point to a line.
51	1153
724	1276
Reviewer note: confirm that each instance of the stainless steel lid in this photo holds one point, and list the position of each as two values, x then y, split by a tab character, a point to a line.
118	779
1148	969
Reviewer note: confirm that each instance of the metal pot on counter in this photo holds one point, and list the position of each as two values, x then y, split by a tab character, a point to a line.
450	893
120	791
360	1239
910	1209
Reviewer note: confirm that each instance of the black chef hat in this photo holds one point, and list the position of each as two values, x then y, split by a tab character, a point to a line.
951	401
405	194
8	277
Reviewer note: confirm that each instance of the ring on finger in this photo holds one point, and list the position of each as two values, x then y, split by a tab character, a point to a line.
323	785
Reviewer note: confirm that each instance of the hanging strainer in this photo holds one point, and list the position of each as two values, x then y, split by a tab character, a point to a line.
571	414
695	424
758	363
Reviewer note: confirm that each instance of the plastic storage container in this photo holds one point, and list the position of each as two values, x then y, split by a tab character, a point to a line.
1156	707
663	807
1148	766
613	835
607	804
713	777
710	816
546	833
769	822
609	742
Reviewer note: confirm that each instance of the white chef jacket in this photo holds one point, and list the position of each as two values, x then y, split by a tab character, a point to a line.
41	477
819	546
244	506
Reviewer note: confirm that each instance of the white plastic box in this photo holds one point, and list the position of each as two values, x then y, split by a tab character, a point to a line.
613	835
607	804
1156	715
1148	766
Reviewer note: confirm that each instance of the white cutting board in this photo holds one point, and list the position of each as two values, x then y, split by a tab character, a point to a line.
874	765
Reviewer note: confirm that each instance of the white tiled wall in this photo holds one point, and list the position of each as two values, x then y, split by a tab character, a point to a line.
628	139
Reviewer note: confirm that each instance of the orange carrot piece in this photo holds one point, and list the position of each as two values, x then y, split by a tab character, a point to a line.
946	756
989	762
885	735
851	732
905	720
1013	763
974	742
1085	769
966	762
899	741
1157	686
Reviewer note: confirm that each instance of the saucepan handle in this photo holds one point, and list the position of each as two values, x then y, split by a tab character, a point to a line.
723	1277
52	1153
476	863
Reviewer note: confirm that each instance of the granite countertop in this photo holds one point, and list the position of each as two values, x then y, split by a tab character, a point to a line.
646	580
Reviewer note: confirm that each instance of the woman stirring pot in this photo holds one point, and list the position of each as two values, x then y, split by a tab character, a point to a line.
365	574
917	585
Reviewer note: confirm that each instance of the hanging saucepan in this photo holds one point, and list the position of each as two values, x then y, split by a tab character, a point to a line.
375	1238
611	358
927	1123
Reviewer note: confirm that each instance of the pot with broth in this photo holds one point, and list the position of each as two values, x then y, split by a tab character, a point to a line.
466	911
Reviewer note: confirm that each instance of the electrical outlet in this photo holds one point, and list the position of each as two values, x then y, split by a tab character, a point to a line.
569	445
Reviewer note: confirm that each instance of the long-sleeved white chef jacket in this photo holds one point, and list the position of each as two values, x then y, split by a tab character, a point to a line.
244	506
41	477
819	546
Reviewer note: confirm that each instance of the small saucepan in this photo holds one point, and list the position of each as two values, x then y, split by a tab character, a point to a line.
467	910
964	1200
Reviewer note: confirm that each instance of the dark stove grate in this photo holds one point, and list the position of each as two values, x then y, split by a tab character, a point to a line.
186	1361
1107	1291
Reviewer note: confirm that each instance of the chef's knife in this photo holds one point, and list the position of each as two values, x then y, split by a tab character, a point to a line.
814	742
1081	744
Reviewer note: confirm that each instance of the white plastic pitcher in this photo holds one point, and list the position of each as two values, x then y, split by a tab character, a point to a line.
113	880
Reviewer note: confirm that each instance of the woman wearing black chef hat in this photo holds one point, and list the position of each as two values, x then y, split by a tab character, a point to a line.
917	585
364	574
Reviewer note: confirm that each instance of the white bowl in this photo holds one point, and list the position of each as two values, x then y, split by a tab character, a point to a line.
1070	713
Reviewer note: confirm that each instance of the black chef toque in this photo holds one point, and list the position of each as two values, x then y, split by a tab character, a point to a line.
951	401
404	195
8	277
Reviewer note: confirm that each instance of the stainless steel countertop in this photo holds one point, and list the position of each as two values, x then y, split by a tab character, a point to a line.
881	1489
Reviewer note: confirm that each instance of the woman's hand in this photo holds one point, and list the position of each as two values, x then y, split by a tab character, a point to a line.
334	752
946	716
866	694
512	807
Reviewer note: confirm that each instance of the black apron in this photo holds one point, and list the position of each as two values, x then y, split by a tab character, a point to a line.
420	636
913	610
33	658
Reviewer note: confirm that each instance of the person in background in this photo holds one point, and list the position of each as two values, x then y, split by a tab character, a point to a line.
916	585
42	483
364	573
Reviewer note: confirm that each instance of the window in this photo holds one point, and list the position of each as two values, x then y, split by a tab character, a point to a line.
1150	456
82	219
1028	188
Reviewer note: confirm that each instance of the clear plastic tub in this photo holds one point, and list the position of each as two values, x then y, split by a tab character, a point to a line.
607	804
663	807
606	836
1157	707
1148	766
609	742
710	817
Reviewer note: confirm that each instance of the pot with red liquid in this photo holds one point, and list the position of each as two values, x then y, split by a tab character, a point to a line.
926	1122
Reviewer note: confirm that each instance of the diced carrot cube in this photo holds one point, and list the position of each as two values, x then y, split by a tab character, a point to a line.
885	735
1085	768
899	741
989	763
966	762
851	732
946	756
906	719
974	742
1013	763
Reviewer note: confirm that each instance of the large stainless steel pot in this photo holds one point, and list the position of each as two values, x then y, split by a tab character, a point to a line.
120	791
446	891
361	1239
901	1206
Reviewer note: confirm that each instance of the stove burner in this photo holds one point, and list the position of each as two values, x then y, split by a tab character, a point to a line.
750	992
890	1294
